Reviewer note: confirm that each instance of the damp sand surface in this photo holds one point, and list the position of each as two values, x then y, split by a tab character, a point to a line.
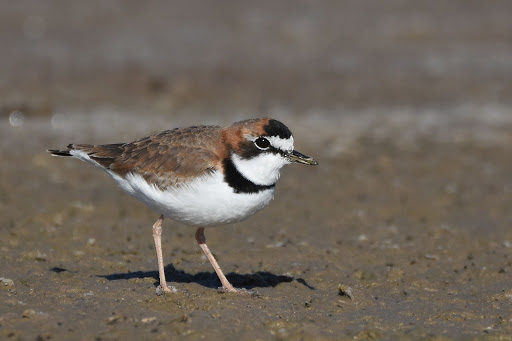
401	232
382	240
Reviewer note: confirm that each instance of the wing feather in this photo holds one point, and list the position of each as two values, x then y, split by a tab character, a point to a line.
170	158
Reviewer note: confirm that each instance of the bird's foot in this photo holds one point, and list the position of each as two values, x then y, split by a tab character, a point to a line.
242	291
161	290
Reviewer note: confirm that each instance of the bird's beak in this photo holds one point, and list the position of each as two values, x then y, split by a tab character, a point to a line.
295	156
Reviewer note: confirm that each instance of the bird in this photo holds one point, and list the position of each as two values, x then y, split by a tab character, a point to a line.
201	176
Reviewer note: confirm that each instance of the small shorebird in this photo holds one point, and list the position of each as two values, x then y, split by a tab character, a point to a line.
201	176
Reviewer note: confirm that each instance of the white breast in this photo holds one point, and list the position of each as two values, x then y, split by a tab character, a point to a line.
207	201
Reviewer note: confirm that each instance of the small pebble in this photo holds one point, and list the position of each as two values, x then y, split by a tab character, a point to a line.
344	290
113	319
362	238
431	256
29	313
7	282
275	245
148	320
41	256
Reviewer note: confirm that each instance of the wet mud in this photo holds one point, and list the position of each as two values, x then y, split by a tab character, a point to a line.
379	242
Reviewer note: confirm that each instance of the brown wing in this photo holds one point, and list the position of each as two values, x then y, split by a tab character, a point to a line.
170	158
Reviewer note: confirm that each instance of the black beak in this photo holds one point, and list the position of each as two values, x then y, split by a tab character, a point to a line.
295	156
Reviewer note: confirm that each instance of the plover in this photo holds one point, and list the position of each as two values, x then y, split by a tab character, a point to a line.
201	176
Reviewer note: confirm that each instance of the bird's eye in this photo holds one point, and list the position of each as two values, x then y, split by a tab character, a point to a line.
262	143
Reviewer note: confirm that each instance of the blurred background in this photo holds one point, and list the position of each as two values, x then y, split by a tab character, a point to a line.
126	62
406	104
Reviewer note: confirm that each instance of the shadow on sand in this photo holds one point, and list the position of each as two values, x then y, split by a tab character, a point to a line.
260	279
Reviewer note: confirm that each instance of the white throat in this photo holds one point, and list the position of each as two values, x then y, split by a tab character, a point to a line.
263	169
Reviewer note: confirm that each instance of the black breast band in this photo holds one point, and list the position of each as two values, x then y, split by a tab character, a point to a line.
238	182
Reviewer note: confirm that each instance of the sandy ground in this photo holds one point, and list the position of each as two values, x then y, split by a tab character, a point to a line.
402	231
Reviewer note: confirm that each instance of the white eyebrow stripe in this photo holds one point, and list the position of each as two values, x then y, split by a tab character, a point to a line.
279	143
276	142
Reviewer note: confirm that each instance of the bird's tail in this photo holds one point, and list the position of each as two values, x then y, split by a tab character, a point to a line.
101	155
57	152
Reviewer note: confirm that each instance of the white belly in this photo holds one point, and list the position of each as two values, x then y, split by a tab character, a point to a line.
204	202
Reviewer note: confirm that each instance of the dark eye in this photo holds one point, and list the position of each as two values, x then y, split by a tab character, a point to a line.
262	143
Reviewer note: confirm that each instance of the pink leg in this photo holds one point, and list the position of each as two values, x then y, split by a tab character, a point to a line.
157	236
201	240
